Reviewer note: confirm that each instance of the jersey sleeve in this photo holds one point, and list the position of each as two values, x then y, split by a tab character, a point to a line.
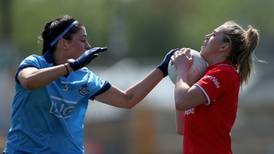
30	61
214	83
97	85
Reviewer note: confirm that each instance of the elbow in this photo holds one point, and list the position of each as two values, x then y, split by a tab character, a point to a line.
180	105
28	87
27	84
128	105
128	102
180	132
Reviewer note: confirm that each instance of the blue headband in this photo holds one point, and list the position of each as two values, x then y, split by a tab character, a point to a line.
63	33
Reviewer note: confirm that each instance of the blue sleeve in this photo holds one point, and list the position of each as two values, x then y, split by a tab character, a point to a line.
104	88
97	85
30	61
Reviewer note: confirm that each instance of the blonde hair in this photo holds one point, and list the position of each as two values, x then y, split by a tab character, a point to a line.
243	42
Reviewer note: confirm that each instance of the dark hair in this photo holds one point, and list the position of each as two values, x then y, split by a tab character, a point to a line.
243	42
55	28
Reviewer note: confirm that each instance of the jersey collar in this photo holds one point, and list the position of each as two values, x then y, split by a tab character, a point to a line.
226	62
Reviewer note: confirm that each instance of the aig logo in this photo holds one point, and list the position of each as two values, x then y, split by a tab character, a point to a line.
61	108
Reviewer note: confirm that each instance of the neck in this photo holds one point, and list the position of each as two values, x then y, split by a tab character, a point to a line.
216	59
59	58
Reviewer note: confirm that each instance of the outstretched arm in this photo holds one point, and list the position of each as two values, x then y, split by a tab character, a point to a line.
133	95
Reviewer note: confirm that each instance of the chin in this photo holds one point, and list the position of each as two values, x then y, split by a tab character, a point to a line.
202	50
202	53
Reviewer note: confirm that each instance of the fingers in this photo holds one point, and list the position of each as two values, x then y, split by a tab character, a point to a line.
96	50
94	56
172	59
187	53
182	52
86	57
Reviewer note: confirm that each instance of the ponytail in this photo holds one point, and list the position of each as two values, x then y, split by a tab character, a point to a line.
46	38
245	59
243	44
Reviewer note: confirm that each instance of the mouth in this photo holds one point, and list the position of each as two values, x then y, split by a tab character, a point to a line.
204	43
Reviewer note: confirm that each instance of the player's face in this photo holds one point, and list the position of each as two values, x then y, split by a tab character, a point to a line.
213	42
78	44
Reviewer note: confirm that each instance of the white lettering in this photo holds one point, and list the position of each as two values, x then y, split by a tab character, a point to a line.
61	109
189	111
214	80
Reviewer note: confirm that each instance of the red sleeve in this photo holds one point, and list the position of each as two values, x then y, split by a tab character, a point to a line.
214	83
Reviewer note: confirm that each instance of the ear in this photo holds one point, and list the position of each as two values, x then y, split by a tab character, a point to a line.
64	44
225	47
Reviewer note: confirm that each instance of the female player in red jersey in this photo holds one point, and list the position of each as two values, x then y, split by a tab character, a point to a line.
210	104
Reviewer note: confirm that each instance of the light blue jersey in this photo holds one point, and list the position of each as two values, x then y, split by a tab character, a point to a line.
50	120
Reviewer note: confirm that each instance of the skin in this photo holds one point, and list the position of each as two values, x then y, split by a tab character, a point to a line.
213	50
32	78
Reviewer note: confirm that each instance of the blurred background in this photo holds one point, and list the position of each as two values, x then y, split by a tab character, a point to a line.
138	34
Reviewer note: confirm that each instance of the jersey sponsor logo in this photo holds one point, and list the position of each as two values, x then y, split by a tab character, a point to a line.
214	80
189	111
61	108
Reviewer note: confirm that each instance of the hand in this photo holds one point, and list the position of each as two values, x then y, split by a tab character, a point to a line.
183	61
164	64
86	58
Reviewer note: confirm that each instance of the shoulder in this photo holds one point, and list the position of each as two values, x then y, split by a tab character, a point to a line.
33	59
224	74
225	71
82	74
85	70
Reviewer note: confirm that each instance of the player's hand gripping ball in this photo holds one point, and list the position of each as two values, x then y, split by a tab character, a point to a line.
196	71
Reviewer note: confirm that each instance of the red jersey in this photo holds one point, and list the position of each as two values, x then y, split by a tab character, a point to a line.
207	127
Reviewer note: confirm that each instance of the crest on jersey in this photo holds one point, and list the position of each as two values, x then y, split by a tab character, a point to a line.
65	87
84	90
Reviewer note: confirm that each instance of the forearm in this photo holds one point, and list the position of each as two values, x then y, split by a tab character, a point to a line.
133	95
187	96
181	92
140	90
42	77
180	122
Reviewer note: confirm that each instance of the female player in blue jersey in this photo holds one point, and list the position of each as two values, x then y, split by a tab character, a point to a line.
52	91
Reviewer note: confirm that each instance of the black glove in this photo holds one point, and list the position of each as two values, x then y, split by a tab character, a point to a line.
164	64
86	57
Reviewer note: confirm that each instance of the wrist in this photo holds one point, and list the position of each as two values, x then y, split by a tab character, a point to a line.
184	78
68	68
160	72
